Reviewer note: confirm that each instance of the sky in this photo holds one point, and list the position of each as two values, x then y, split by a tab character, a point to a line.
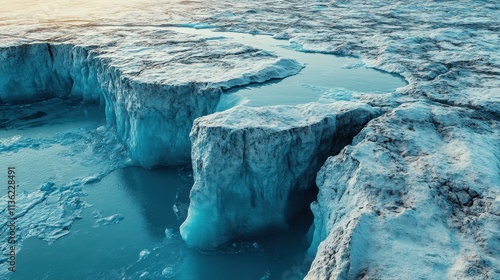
50	10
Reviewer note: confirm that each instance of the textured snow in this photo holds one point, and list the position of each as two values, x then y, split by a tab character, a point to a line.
448	52
385	207
253	167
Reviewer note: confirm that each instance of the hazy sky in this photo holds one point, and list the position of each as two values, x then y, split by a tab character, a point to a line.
41	10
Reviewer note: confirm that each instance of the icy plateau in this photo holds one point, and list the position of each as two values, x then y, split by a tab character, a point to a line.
408	181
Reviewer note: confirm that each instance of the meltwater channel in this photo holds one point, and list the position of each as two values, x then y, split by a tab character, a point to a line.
87	213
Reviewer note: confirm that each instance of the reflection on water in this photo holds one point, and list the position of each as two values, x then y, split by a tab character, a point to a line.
129	226
146	242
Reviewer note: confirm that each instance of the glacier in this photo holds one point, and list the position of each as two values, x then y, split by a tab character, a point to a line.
416	194
255	167
154	130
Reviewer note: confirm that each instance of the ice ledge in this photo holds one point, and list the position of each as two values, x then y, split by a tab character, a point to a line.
253	167
153	112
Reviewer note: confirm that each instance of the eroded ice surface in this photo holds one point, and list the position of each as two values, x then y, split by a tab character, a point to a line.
151	95
385	208
144	82
324	78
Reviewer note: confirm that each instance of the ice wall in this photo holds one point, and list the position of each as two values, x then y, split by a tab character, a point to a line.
253	167
152	119
41	71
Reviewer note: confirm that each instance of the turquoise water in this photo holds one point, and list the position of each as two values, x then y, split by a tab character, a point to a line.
145	199
325	77
144	208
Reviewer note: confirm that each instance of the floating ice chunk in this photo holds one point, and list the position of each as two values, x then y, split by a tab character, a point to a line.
91	180
110	220
180	210
144	254
47	213
168	272
266	276
170	233
96	214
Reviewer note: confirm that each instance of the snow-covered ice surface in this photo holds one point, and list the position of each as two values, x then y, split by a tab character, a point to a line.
417	194
324	77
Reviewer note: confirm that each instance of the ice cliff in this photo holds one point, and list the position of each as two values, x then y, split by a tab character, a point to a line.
254	168
152	107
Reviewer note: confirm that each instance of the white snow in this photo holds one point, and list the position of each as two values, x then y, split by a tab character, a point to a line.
109	220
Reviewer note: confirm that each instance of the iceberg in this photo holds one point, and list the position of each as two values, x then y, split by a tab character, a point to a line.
255	167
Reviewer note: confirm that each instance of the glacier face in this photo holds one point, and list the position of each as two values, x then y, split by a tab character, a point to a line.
153	113
254	167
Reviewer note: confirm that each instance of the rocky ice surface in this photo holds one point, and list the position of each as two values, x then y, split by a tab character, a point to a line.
254	167
416	195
